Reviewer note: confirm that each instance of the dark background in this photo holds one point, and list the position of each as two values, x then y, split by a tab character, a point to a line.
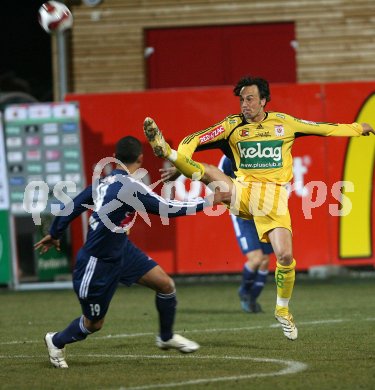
25	50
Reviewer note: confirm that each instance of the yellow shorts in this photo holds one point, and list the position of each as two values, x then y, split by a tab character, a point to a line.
266	203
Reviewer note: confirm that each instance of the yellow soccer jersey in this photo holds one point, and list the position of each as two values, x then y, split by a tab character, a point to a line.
261	151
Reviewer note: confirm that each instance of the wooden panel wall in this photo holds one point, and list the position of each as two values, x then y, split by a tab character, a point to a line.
336	38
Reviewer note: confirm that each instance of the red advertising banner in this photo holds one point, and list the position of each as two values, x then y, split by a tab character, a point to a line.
206	244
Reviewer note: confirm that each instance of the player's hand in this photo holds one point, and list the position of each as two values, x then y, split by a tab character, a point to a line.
367	129
222	197
46	243
169	174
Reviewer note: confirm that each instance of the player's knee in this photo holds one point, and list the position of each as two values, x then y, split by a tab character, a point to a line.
207	175
254	260
264	264
285	258
166	285
253	264
94	325
211	173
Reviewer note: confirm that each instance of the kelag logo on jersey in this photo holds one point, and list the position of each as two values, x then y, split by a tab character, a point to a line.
260	154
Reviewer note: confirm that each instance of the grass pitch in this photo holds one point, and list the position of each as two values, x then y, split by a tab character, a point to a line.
335	348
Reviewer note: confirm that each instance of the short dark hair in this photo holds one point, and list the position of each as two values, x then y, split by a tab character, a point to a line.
262	84
128	149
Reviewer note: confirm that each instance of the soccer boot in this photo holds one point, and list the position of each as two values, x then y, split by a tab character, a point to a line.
56	355
289	327
178	342
156	139
244	301
247	304
255	307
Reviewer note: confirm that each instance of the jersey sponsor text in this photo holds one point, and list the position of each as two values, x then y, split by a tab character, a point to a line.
211	134
260	154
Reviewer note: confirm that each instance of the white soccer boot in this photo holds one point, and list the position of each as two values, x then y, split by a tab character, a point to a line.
289	327
56	355
178	342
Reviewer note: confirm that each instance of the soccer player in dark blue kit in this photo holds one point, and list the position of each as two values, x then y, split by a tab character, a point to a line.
108	257
255	270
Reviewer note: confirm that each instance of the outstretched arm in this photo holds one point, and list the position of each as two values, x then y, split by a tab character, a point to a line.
303	127
211	138
60	223
142	199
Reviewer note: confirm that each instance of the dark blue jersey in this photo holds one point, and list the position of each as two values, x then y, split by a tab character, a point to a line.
225	165
116	199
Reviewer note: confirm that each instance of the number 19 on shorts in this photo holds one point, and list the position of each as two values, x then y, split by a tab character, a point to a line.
95	309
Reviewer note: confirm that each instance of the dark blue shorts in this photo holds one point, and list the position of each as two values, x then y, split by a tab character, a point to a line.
247	236
95	280
135	264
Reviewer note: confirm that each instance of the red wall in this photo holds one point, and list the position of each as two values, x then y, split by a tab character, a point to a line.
202	244
204	56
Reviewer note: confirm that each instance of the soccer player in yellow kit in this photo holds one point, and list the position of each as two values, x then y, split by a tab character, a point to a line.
259	144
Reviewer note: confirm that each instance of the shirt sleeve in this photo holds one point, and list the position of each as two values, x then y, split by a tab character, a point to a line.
142	199
71	211
207	138
303	127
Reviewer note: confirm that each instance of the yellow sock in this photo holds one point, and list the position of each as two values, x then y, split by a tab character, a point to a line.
284	277
188	167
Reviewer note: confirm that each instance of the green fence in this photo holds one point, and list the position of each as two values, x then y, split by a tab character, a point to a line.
5	248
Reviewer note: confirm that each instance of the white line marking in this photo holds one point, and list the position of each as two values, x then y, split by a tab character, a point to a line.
23	357
128	335
289	367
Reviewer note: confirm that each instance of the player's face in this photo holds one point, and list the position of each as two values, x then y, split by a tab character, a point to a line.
252	106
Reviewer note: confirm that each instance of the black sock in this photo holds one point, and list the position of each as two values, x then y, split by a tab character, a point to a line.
166	305
75	331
